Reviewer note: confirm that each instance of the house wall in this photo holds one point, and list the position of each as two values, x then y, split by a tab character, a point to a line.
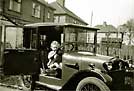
61	18
66	19
26	12
101	35
70	19
46	11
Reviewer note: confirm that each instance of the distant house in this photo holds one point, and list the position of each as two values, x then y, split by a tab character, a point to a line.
109	39
64	15
20	12
107	31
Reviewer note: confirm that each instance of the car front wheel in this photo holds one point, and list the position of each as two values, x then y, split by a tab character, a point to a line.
91	84
26	81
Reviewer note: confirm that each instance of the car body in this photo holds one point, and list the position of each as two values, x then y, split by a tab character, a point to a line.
81	66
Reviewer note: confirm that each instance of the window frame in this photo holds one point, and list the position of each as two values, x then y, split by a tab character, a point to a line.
14	38
48	15
15	3
75	37
36	10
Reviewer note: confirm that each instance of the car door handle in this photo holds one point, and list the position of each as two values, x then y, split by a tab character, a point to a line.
6	52
74	66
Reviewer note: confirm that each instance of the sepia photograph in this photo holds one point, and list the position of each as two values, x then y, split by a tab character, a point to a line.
66	45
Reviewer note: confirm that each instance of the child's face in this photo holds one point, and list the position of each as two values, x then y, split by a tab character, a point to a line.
54	48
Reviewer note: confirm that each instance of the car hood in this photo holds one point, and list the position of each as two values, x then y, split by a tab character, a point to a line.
86	56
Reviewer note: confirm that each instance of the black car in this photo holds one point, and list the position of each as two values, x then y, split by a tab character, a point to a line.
82	69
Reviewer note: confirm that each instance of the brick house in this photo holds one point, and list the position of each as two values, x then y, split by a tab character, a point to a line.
64	15
20	12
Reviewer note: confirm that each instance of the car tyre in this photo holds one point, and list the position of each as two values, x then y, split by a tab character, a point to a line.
91	84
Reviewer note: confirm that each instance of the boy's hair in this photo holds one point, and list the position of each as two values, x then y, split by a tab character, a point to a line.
55	44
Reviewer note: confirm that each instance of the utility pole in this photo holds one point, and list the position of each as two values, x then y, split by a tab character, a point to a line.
91	19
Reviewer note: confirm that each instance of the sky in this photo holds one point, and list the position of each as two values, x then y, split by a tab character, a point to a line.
114	12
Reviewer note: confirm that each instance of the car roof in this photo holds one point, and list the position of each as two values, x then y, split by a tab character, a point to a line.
50	24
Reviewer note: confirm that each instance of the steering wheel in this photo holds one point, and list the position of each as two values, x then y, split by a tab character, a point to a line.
70	46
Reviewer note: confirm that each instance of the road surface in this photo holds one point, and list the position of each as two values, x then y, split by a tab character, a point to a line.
8	89
2	88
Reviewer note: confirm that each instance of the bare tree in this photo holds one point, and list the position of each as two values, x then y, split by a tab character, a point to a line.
130	27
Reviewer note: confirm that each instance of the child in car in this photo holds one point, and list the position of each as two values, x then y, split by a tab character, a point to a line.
54	56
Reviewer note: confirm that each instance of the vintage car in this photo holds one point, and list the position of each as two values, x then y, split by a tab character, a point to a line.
82	69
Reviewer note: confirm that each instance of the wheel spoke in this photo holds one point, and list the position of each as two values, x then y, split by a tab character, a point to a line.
90	87
85	88
92	84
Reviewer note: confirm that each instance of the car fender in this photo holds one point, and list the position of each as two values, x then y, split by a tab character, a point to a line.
104	75
90	73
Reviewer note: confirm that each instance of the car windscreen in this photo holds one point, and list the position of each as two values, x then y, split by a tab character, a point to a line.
79	39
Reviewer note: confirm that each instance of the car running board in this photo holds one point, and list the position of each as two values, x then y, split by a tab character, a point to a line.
54	87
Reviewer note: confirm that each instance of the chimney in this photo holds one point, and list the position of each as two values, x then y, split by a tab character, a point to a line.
61	2
1	6
104	23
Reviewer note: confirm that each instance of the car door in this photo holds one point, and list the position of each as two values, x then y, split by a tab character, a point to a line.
17	58
18	61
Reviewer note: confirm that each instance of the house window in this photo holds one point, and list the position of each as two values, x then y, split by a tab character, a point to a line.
36	10
15	5
74	21
56	19
48	15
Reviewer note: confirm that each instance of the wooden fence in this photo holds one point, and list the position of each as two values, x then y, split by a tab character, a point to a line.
125	52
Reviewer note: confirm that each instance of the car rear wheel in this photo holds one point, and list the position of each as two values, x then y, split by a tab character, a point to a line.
91	84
